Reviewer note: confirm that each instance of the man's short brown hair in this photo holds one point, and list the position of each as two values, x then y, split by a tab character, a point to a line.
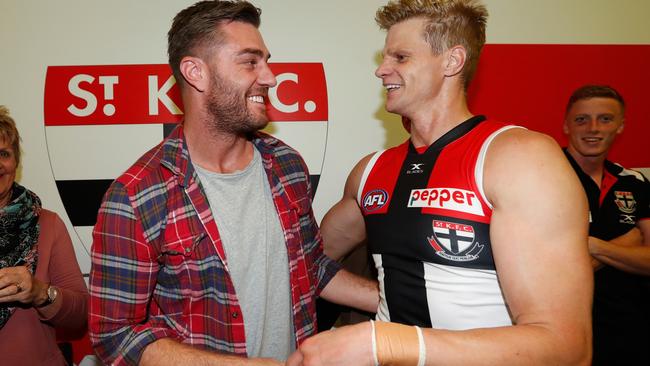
594	91
196	27
449	23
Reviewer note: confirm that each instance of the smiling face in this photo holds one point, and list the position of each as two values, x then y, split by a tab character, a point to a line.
240	80
411	73
8	165
592	125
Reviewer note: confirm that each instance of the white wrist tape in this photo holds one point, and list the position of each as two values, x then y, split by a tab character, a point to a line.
398	345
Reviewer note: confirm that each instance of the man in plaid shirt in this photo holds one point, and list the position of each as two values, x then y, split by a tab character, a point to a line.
206	250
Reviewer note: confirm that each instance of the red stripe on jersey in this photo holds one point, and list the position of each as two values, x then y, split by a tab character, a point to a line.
378	189
608	182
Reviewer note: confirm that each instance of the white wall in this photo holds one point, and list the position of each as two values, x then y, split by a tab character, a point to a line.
339	33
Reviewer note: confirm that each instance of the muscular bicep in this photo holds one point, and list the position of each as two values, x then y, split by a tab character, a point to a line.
343	227
539	231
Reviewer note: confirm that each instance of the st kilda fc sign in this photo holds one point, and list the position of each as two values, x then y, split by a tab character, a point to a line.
100	119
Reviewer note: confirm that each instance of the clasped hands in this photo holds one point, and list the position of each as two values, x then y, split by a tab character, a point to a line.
17	284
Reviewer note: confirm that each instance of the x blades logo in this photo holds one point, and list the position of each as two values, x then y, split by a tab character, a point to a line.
627	219
416	168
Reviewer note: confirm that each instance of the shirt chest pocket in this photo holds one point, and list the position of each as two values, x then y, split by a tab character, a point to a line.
301	209
303	224
177	275
301	206
179	250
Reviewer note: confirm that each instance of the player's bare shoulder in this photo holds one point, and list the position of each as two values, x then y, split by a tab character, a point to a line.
521	143
356	175
519	157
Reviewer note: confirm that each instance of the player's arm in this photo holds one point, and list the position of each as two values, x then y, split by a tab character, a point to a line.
539	238
629	253
538	233
631	238
343	227
349	289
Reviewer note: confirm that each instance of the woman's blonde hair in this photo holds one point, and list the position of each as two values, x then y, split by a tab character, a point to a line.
8	132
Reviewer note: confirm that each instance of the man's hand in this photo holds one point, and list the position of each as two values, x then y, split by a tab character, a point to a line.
18	284
346	346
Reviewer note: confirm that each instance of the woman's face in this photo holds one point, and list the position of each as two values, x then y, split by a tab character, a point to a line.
7	171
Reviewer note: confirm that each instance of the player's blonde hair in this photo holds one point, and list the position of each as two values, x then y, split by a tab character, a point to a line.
449	23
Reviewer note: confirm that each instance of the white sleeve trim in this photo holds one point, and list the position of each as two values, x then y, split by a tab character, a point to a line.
366	173
480	161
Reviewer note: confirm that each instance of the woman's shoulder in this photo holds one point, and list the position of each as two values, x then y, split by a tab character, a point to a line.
49	219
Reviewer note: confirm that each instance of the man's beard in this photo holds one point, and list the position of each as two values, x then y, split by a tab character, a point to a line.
229	112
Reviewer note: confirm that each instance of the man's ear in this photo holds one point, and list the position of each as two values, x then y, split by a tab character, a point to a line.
195	72
565	126
456	57
621	127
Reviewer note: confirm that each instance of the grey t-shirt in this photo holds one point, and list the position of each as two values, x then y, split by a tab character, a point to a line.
256	255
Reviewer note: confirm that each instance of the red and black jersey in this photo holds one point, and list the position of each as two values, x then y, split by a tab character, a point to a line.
621	317
428	226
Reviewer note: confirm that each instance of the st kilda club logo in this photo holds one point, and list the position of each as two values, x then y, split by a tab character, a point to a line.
625	201
455	242
123	100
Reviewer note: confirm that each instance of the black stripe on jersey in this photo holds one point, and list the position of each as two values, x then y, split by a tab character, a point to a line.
405	292
400	235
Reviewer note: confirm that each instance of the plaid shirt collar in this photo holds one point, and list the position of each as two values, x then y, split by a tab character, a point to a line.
176	158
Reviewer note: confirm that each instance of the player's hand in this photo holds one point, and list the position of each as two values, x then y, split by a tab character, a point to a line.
345	346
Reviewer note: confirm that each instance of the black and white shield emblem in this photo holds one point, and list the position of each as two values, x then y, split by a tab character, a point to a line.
625	201
454	238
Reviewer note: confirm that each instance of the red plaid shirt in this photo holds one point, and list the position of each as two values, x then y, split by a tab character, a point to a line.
159	267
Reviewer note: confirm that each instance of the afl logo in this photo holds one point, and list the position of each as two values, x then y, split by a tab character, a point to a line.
374	200
99	119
